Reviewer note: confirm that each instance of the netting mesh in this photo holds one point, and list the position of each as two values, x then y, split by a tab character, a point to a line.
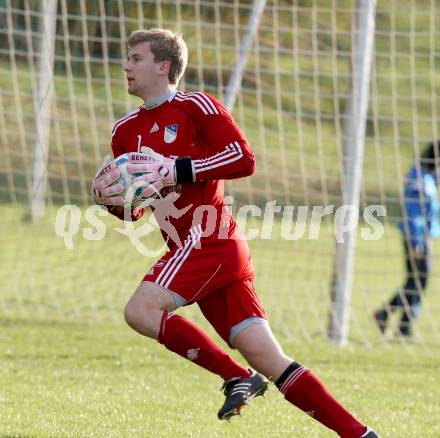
290	105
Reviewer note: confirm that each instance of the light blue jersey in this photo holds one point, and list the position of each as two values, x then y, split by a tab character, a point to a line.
422	206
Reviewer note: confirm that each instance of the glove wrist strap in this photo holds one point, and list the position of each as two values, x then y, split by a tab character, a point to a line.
184	170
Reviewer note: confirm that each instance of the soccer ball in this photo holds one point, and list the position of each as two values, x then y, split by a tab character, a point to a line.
131	196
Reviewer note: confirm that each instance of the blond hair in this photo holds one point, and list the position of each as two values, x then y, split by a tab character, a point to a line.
165	46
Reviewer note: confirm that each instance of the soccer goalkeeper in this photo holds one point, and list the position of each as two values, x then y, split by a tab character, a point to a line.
420	224
196	146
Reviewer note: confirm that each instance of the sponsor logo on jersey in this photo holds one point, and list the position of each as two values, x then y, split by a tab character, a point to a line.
154	128
170	133
134	156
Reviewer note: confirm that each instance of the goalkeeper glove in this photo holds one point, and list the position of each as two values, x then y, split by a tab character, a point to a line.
104	190
158	171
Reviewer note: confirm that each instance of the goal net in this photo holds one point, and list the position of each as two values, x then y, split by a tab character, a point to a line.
291	105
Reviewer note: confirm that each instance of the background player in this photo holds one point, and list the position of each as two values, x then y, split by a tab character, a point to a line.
420	223
200	146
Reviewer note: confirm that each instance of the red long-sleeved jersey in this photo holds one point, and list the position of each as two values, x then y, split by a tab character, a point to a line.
190	125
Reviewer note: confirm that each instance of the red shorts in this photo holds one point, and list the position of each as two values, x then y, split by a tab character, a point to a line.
218	275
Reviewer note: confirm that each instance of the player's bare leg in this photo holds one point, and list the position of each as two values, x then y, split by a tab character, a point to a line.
149	312
145	308
298	384
259	347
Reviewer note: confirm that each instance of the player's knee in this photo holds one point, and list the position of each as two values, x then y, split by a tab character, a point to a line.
135	311
131	314
141	312
144	310
141	318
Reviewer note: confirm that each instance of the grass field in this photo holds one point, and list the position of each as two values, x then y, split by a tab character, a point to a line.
68	379
70	367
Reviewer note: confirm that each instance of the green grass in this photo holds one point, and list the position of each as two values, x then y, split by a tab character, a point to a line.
65	379
70	367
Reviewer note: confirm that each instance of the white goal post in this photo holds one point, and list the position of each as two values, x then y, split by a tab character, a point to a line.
43	103
355	121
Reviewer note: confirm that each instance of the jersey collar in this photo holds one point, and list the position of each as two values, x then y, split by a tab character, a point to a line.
169	95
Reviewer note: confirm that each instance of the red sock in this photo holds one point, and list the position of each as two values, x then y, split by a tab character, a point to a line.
304	390
189	341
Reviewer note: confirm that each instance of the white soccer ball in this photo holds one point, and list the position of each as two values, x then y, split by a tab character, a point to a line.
132	196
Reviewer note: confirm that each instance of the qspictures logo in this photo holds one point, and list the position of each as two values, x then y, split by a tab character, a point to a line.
273	221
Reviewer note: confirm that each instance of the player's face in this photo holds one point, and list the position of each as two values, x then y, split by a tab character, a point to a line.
144	75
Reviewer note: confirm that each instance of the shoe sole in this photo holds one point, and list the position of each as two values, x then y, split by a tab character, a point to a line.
236	410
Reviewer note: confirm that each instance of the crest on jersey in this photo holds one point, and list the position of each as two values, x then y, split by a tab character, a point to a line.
170	133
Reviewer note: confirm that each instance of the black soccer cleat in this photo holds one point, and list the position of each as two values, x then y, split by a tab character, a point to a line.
404	328
370	433
239	392
380	317
405	331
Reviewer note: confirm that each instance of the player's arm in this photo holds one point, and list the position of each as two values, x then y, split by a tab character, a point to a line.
228	154
118	211
416	212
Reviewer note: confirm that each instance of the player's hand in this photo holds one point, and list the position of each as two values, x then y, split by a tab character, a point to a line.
417	251
156	171
104	191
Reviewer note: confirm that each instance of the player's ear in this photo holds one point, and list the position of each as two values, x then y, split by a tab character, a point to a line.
164	67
